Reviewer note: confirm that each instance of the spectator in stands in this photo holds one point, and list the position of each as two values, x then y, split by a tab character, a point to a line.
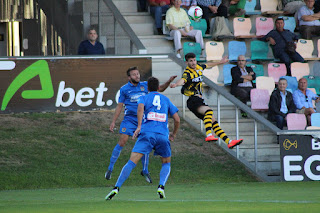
242	77
91	46
309	23
292	6
186	4
177	21
316	6
303	97
211	9
281	103
235	7
278	39
157	9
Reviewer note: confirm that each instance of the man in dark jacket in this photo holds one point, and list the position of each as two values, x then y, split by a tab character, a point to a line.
280	104
242	77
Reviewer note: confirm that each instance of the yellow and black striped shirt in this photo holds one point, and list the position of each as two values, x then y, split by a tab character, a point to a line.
193	80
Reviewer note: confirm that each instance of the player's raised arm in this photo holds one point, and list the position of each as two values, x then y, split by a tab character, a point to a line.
176	119
140	116
178	83
164	86
222	61
115	116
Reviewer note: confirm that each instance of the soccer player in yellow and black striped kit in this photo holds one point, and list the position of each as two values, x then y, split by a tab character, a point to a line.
191	83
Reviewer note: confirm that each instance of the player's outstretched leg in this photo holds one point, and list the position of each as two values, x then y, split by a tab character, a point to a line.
114	157
113	192
220	133
145	163
207	120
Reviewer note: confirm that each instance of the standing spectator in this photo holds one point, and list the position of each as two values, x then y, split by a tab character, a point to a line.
281	103
303	97
157	9
211	9
91	46
242	77
308	20
278	40
186	4
292	6
176	20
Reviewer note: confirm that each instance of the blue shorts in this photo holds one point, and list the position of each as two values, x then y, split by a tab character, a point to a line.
128	126
149	140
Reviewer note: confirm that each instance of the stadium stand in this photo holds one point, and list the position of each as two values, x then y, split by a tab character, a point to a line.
250	8
292	83
259	99
192	47
214	50
305	49
264	25
296	121
200	25
315	119
265	82
242	27
276	70
313	82
269	7
289	23
227	78
259	50
212	74
299	69
257	69
236	48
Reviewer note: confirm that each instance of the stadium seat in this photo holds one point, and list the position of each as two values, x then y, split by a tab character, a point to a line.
263	26
299	69
212	74
250	8
200	25
296	121
236	48
292	83
259	50
305	49
313	128
227	78
192	47
269	6
313	82
259	99
264	82
214	50
257	69
318	48
242	27
289	23
276	70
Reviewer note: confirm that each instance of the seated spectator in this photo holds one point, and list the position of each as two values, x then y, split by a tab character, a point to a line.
316	6
281	103
303	97
211	9
91	46
309	24
290	7
241	85
278	39
157	9
235	7
186	4
176	20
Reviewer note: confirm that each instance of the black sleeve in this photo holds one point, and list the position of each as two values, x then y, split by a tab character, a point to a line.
273	105
236	75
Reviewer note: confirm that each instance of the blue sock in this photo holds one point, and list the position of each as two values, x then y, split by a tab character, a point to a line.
145	163
125	173
114	156
164	173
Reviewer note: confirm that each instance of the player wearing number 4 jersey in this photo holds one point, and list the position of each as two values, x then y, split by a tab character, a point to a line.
129	95
191	83
153	111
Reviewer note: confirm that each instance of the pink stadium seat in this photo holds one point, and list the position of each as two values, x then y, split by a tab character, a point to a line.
259	99
276	70
242	27
263	26
296	121
299	70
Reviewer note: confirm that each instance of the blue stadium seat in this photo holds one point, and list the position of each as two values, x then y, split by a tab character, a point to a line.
289	23
236	48
227	78
258	69
315	119
192	47
250	8
292	83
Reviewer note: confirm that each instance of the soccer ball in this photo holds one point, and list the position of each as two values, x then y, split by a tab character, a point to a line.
195	12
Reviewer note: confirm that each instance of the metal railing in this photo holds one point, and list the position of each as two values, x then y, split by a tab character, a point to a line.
118	19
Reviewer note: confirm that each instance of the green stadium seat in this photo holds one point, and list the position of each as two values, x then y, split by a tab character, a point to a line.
200	25
258	69
259	50
192	47
313	82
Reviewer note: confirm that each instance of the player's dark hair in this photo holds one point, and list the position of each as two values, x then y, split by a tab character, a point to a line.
189	55
153	84
279	19
130	69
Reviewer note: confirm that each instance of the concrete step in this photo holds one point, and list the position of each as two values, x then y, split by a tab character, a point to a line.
138	18
126	5
142	29
156	44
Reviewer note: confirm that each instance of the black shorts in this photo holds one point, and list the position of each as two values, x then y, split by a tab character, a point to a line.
193	103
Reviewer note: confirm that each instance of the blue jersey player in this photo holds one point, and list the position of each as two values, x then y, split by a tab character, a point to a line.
153	111
129	95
